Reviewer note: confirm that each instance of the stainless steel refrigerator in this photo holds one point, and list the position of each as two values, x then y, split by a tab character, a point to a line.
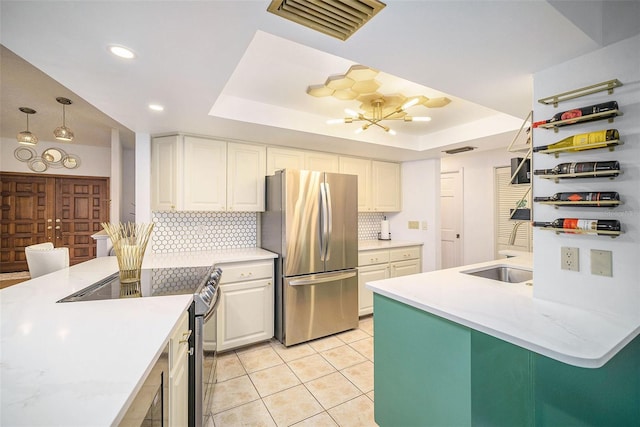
311	222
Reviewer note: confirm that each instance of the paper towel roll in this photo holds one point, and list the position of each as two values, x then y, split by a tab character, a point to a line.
384	230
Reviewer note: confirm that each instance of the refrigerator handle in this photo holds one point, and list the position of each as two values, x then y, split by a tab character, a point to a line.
329	222
323	278
323	221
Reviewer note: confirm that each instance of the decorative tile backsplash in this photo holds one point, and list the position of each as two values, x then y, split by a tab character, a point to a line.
203	231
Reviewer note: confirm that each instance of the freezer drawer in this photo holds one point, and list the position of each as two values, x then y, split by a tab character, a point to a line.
318	305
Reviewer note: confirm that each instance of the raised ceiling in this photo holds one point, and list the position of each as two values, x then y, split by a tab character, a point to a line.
231	69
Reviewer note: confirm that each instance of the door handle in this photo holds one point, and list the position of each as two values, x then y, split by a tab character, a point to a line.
457	235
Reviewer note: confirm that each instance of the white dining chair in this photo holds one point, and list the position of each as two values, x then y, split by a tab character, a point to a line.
43	259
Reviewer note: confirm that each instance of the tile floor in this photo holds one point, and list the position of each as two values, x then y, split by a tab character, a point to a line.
325	382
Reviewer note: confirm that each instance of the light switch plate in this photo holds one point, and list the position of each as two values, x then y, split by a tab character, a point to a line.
601	263
569	258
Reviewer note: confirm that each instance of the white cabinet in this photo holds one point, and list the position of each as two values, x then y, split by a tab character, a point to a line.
179	373
284	158
386	186
379	264
245	313
199	174
361	168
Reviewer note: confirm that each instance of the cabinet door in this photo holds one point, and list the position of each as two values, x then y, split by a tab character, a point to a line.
165	160
245	313
282	158
361	168
387	191
246	166
369	274
405	268
321	162
205	174
179	374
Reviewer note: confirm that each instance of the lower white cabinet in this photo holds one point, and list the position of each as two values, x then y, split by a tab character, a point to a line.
179	373
380	264
245	313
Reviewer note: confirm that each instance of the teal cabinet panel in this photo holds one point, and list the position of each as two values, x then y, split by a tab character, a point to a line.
422	368
501	383
571	396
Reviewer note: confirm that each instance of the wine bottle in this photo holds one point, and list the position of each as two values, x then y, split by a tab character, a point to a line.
599	169
596	225
596	198
577	142
580	112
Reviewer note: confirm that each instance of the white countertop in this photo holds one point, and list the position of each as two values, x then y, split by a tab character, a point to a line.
368	245
509	312
79	364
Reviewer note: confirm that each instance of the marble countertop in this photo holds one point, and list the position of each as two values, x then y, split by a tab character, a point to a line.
79	364
509	311
368	245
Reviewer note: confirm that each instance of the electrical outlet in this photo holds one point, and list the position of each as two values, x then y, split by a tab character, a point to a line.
414	225
569	258
424	225
601	263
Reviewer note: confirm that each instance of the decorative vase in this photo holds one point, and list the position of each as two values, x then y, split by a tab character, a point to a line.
129	243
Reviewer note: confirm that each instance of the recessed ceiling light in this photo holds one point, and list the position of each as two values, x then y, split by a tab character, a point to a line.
156	107
122	52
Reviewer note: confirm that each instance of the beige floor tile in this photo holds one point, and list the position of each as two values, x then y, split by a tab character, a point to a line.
342	357
323	419
311	367
294	352
229	366
253	347
323	344
252	414
366	324
354	413
353	335
370	395
361	375
273	380
232	393
292	405
332	390
262	358
364	347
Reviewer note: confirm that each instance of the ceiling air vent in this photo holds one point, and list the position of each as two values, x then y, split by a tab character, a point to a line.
337	18
460	150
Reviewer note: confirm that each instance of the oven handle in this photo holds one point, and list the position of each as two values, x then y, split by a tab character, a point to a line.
212	311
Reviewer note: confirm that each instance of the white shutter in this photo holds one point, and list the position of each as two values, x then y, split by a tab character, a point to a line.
507	198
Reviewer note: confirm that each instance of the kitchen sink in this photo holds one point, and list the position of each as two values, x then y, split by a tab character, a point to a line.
503	274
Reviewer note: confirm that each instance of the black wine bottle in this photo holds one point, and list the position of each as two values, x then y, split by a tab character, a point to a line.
593	140
594	225
599	169
596	198
576	113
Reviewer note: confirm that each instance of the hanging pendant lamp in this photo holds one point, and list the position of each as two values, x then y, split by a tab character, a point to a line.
26	137
63	133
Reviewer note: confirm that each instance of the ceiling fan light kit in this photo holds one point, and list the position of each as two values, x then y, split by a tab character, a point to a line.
63	133
359	83
26	137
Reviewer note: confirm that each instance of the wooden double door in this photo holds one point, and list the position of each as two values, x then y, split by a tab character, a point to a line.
63	210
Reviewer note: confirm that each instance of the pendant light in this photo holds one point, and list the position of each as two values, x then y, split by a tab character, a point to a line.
26	137
63	133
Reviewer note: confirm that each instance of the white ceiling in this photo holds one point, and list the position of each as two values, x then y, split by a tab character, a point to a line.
233	70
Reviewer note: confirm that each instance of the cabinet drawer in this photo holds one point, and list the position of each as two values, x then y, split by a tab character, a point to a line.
180	340
401	254
242	271
373	257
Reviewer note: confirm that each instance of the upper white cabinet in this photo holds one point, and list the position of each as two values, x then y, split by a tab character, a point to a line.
386	186
284	158
200	174
379	186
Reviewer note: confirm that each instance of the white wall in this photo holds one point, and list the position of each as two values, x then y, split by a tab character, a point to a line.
92	159
143	177
420	202
128	208
478	231
619	294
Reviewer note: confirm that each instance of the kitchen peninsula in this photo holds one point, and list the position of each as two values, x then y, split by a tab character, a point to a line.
455	349
78	364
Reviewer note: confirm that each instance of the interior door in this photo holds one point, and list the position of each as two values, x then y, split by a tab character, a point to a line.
451	219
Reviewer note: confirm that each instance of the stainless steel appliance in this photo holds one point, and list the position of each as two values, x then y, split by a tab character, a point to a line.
311	223
203	283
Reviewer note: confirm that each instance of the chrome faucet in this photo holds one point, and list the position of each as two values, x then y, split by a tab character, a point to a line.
514	232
